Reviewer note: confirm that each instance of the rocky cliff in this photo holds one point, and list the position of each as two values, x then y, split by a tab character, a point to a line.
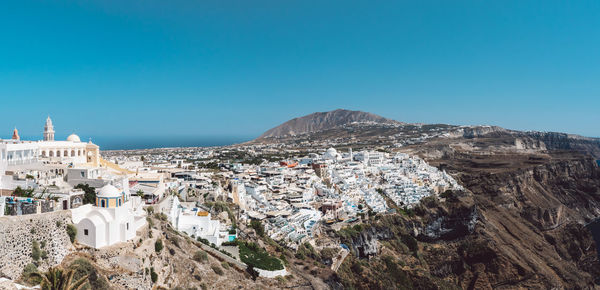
520	223
17	234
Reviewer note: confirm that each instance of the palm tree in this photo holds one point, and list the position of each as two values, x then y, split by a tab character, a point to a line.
59	279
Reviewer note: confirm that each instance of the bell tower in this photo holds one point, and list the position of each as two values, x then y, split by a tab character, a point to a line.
15	135
48	130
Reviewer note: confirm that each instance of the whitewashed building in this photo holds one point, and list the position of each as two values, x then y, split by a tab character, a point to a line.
115	218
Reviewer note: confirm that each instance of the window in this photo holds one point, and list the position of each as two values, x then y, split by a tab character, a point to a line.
127	226
85	232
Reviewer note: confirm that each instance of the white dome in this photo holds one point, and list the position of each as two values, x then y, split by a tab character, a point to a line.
108	191
331	153
73	138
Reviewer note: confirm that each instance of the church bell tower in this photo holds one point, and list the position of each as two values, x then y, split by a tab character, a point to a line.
48	130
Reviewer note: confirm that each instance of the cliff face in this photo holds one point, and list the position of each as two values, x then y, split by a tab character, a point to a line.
17	234
534	225
519	224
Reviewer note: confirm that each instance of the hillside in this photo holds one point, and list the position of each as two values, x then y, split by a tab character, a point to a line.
320	121
519	223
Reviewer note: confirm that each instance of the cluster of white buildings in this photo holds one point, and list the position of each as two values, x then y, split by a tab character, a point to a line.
198	223
49	170
293	198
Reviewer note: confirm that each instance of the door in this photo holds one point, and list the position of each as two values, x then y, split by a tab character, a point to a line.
65	204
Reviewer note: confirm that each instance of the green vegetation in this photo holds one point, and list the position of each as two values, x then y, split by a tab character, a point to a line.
200	256
36	253
89	197
253	255
258	227
229	243
82	267
306	250
348	233
174	240
23	192
59	279
158	245
218	270
406	212
225	265
139	193
150	210
327	254
410	242
153	275
72	232
29	274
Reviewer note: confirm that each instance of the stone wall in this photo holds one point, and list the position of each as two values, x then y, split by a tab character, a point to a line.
271	274
17	234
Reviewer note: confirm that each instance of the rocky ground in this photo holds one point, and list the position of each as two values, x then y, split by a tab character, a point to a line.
181	264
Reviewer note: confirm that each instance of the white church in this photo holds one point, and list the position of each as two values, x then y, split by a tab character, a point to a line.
17	154
114	218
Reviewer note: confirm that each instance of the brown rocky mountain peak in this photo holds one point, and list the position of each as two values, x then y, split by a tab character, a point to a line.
325	120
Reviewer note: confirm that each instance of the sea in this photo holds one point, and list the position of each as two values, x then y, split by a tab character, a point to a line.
130	143
113	143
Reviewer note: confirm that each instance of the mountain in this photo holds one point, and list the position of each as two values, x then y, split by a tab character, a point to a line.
320	121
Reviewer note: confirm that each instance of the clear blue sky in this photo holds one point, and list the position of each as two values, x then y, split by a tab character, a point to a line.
238	68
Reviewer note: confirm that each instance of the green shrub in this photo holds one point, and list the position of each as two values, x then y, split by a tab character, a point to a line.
153	275
229	243
218	270
150	221
72	232
83	267
258	227
29	274
174	239
410	242
253	255
225	265
158	245
200	256
36	253
89	196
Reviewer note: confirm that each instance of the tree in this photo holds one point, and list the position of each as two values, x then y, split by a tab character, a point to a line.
23	192
90	193
140	193
258	227
59	279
